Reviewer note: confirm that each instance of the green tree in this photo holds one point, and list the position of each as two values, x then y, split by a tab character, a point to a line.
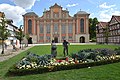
4	32
92	27
19	35
27	36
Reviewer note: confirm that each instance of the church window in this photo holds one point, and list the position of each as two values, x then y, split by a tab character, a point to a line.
82	25
30	26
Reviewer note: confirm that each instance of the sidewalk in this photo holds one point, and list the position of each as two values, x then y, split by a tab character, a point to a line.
10	53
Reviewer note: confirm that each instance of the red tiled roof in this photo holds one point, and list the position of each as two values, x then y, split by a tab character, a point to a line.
117	18
103	24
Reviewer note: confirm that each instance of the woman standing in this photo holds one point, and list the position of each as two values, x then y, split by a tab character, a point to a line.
53	49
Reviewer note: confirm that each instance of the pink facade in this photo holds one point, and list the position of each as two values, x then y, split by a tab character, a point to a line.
57	24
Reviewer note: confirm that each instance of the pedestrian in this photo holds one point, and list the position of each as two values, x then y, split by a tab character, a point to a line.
65	47
53	49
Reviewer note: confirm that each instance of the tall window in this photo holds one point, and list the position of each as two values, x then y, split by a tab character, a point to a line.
82	25
63	28
41	28
48	15
56	15
63	15
48	28
55	27
30	26
70	28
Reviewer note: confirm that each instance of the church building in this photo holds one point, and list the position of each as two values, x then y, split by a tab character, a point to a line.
56	24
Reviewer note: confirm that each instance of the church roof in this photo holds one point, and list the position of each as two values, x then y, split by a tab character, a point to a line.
30	14
81	12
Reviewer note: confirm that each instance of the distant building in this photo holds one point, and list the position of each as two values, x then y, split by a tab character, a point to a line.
101	31
109	31
57	24
11	29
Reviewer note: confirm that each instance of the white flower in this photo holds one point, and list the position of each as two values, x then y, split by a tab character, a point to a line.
89	67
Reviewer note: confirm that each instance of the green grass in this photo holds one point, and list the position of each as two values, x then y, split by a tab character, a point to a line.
104	72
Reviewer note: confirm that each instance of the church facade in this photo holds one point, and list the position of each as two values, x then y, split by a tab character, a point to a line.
56	24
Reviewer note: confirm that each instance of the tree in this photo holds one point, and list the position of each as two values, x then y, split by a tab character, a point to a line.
27	36
19	35
4	32
92	27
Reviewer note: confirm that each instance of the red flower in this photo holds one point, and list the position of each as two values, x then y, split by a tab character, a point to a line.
66	58
59	61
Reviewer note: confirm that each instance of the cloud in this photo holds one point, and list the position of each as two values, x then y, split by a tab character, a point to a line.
26	4
13	12
72	5
105	15
106	11
104	5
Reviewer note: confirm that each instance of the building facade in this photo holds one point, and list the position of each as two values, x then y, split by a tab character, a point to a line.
10	27
101	30
109	32
56	24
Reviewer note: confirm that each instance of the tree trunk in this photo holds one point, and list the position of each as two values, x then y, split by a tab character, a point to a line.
20	44
2	47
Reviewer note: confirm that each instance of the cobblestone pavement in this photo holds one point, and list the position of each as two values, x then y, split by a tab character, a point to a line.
10	53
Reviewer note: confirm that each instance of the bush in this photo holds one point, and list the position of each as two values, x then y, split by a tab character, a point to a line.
117	50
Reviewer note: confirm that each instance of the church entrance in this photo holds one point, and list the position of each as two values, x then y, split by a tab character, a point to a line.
30	40
56	39
82	39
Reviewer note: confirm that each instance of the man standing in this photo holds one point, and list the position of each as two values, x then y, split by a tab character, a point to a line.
65	45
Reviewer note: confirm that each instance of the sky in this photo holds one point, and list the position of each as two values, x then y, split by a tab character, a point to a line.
101	9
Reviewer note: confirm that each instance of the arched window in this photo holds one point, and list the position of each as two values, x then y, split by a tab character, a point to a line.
30	26
48	28
82	25
41	28
63	28
70	28
56	28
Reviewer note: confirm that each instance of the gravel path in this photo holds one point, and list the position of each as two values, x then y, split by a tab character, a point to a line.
9	53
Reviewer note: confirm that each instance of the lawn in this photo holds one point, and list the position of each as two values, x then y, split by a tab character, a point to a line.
104	72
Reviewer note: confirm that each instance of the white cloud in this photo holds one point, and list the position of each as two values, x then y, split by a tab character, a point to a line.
13	12
106	11
27	4
104	5
72	5
105	15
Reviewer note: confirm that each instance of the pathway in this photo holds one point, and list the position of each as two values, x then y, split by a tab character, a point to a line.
9	53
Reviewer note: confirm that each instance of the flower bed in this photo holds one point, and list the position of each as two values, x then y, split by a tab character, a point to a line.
32	63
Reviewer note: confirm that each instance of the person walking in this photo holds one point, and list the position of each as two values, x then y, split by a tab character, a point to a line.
65	47
53	49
